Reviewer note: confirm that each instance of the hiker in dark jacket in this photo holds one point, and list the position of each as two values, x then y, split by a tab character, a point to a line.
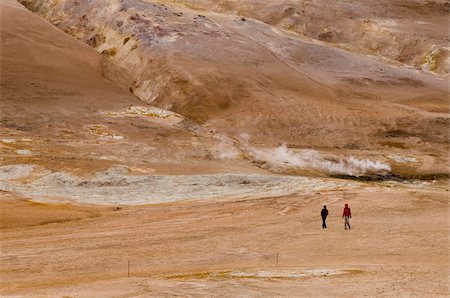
324	214
346	215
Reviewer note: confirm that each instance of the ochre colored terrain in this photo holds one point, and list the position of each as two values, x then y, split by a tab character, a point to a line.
185	148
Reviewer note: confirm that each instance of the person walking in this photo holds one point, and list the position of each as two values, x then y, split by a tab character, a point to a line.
346	215
324	214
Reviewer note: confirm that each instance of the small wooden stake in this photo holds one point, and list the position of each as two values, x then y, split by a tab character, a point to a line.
128	268
277	261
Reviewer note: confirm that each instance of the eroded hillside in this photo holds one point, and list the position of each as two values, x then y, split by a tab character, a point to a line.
240	70
65	107
414	33
185	148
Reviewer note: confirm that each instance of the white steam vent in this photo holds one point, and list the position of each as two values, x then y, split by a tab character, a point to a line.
312	159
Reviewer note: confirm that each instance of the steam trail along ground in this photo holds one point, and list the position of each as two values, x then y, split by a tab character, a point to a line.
186	148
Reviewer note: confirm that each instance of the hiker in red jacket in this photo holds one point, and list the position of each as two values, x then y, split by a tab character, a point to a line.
346	215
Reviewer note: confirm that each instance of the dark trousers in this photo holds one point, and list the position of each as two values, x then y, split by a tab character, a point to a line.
324	224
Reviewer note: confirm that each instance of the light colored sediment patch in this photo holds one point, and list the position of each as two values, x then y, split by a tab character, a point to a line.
430	60
115	186
8	141
150	113
403	159
11	172
276	274
23	152
103	133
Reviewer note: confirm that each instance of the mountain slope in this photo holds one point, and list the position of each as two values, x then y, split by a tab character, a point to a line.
66	107
414	33
243	76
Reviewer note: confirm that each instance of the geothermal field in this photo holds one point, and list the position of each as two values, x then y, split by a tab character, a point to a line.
186	148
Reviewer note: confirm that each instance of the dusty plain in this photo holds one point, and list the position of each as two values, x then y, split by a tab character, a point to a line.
398	245
186	148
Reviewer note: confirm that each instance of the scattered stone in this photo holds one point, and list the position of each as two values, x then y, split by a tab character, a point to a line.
96	40
326	36
200	17
111	52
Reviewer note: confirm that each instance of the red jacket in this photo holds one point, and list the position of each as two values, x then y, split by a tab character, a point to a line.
347	212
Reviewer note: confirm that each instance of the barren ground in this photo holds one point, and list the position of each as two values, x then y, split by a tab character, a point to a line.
398	245
185	148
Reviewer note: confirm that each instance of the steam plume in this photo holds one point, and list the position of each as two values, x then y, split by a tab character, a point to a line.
312	159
